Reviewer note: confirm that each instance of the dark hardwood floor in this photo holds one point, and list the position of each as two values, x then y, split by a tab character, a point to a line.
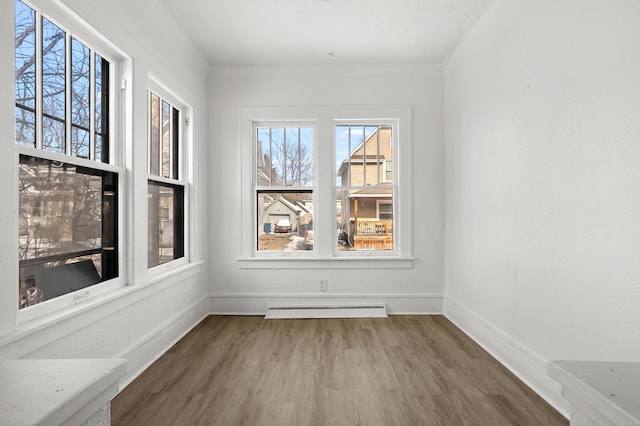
402	370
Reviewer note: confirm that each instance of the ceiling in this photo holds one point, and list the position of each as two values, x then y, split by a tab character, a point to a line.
317	32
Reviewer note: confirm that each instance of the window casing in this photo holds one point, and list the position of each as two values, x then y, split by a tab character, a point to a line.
68	176
166	184
330	198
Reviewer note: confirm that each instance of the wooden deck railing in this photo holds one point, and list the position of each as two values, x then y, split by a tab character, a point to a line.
372	235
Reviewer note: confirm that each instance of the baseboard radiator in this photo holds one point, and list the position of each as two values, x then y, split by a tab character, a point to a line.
326	311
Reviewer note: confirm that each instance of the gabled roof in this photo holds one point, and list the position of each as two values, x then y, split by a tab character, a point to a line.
293	207
303	207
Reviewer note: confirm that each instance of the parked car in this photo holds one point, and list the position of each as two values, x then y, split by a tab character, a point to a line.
282	226
308	236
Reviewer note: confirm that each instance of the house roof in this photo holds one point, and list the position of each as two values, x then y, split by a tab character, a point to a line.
372	193
297	209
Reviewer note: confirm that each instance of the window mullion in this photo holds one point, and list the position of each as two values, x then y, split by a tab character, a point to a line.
299	158
349	160
364	154
160	136
270	157
92	104
171	130
149	134
378	155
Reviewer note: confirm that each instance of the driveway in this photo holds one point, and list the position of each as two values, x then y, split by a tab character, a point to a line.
280	242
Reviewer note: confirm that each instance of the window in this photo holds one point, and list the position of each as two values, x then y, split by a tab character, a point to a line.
283	185
68	184
334	174
365	189
165	227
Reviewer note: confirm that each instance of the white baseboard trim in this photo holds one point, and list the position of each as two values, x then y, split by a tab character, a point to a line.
145	351
256	303
527	365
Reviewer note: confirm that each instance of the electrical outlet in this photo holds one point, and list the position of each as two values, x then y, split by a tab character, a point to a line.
323	284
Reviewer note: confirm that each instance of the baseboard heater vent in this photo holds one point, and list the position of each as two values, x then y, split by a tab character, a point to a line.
326	311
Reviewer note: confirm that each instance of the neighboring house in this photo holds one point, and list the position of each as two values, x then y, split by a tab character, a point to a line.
281	208
366	214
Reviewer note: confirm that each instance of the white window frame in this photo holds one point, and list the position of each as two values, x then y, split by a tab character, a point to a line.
119	120
325	253
184	170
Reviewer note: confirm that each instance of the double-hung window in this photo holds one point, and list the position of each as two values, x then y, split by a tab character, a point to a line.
364	189
68	175
166	184
326	183
283	186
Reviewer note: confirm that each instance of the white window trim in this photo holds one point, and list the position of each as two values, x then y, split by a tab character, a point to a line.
120	139
184	171
325	254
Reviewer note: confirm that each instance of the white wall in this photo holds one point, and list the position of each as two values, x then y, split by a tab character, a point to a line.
542	107
417	289
141	320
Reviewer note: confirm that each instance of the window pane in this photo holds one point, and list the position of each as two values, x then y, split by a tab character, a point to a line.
365	219
60	208
53	70
101	109
283	220
25	73
64	213
166	139
80	106
47	280
285	156
53	135
99	148
165	223
175	141
80	84
154	136
79	142
25	127
388	170
25	41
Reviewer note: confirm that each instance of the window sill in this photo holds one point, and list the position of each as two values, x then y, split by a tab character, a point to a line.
100	306
369	262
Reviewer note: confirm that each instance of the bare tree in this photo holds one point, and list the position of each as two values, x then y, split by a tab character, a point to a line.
293	162
54	85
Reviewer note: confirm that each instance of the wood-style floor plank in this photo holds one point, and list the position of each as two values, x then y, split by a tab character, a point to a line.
401	370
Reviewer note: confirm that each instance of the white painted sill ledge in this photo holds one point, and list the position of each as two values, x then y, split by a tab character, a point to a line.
58	391
347	262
